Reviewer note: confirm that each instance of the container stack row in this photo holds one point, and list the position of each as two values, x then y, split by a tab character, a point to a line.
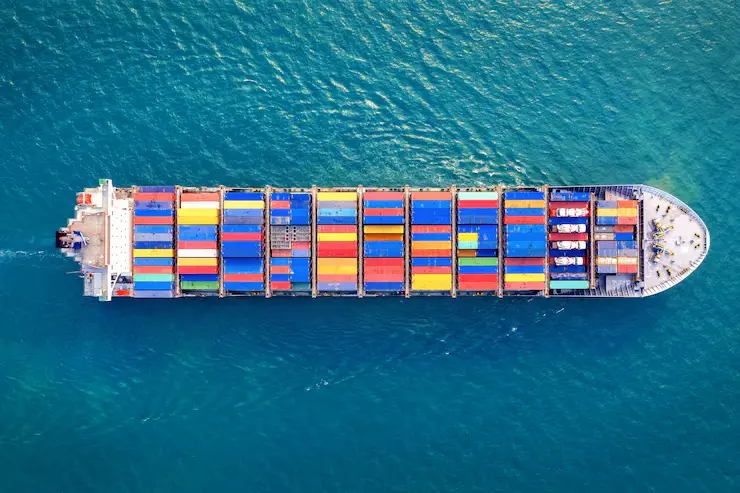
477	241
197	241
290	241
616	245
154	263
337	242
383	225
431	241
569	239
526	241
242	241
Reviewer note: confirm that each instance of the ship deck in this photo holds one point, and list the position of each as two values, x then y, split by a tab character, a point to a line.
170	242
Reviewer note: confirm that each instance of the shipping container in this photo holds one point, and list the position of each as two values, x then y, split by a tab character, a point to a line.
338	241
198	218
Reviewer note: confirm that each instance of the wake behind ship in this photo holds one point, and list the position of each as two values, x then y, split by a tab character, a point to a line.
571	241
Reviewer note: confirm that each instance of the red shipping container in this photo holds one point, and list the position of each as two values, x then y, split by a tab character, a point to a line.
301	245
431	253
384	262
383	196
431	196
473	278
197	269
568	236
395	271
383	212
122	292
627	220
437	269
337	228
568	205
627	269
477	204
200	197
225	236
194	245
524	261
243	277
154	197
328	246
153	220
624	228
280	204
524	219
383	277
337	253
153	269
524	286
281	253
477	286
280	285
337	278
280	269
626	204
440	228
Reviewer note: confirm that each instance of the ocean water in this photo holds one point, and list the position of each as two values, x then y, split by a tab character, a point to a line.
374	395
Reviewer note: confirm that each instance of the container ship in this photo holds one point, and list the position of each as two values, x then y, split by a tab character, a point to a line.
618	241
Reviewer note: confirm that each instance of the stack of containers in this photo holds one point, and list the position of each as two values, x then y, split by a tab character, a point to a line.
569	276
290	241
477	241
431	241
197	241
526	241
383	223
154	265
242	241
616	248
337	241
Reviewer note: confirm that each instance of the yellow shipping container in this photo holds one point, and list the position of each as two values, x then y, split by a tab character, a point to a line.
525	204
431	245
197	213
431	282
337	269
601	211
337	261
627	212
626	260
152	253
338	196
467	236
524	277
197	221
379	228
198	262
337	237
244	204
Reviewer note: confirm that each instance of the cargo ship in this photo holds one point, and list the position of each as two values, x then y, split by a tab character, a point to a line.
618	241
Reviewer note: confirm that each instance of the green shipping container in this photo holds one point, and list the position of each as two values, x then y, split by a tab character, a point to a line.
477	261
154	277
199	285
569	285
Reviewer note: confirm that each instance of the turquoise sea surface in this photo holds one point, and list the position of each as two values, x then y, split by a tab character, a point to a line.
373	395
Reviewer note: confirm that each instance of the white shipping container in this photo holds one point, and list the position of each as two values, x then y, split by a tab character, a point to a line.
197	253
200	205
